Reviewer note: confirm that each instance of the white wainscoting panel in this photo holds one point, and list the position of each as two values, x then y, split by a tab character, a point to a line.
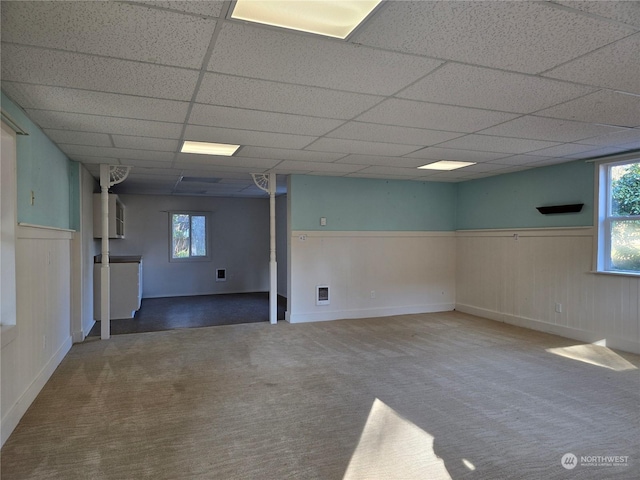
371	274
43	281
523	277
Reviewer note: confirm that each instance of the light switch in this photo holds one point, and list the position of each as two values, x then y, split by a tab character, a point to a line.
323	221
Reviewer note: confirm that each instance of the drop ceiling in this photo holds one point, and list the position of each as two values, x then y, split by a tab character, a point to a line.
508	85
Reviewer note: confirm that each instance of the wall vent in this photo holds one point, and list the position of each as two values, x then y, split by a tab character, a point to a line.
221	275
322	295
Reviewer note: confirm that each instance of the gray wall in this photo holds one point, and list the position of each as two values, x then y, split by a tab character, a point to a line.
240	243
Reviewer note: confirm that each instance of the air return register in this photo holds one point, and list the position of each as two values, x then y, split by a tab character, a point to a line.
322	295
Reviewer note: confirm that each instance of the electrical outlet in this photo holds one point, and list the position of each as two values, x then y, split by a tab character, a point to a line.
302	237
373	294
558	308
44	342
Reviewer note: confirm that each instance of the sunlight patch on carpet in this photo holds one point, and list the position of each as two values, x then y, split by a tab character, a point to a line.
595	355
393	447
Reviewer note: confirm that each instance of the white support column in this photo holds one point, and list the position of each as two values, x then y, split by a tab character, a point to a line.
105	278
268	184
110	175
273	266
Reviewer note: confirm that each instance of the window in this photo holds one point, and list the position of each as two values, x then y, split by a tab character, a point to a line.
189	236
619	217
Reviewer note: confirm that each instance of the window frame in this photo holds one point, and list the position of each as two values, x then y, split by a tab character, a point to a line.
605	219
207	241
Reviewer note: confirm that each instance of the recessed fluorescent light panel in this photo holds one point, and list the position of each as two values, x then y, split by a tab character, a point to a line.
333	18
207	148
446	165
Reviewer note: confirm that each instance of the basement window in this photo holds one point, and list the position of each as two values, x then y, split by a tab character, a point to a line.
619	217
189	233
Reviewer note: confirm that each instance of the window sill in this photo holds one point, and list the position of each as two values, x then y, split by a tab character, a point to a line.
8	333
619	274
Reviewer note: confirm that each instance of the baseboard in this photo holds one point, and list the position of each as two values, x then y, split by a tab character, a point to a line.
560	330
170	295
15	413
366	313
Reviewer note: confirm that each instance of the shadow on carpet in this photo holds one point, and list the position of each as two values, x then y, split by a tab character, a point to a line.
169	313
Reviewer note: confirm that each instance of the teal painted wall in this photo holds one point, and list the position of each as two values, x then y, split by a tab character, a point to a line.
45	170
510	200
359	204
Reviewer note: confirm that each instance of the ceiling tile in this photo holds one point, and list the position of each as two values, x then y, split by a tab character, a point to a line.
277	97
392	171
598	152
615	66
241	162
289	165
95	123
361	147
563	150
210	8
78	138
481	168
437	153
144	34
200	133
485	143
145	164
218	168
401	162
604	106
96	103
284	154
390	134
149	172
538	128
470	86
247	51
216	116
612	139
530	37
120	153
621	11
146	143
381	176
517	160
431	116
90	160
66	69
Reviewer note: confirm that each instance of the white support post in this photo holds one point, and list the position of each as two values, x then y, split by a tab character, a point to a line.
268	184
110	175
105	278
273	266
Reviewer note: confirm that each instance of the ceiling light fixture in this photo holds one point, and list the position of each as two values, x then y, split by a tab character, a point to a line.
207	148
446	165
333	18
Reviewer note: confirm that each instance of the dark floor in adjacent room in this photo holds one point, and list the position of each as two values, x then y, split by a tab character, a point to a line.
169	313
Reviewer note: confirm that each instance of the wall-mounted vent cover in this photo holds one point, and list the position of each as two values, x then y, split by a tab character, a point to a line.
221	275
322	295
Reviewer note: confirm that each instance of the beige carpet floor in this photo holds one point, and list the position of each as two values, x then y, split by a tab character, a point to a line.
432	396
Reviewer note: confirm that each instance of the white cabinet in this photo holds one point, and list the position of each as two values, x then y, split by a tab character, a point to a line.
116	216
126	287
